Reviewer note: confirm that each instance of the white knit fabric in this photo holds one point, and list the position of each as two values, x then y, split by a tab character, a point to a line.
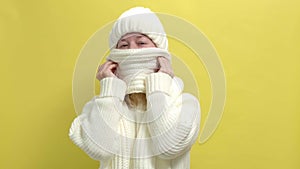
141	20
108	136
105	132
135	64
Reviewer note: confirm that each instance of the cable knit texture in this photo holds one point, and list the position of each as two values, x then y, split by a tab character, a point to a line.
135	64
106	135
122	138
139	19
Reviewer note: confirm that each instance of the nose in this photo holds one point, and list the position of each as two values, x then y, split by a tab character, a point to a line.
133	45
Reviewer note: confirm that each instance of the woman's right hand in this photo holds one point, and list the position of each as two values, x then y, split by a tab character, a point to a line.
107	69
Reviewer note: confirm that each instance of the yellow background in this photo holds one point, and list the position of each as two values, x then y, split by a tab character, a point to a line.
259	45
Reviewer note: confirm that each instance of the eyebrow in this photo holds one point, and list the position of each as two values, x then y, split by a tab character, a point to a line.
138	37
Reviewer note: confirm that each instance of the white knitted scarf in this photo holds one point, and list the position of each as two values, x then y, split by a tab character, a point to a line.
135	64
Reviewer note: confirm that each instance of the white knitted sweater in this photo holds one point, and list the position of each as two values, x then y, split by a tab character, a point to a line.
171	133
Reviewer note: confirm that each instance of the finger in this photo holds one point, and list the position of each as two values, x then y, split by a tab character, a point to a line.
165	66
164	63
112	66
100	67
163	60
160	62
159	59
105	65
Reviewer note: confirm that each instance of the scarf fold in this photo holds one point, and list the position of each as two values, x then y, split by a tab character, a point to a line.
135	64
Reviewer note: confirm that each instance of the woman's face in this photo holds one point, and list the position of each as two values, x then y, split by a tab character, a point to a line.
135	41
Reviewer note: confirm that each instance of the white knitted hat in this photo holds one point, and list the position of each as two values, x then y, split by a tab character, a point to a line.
141	20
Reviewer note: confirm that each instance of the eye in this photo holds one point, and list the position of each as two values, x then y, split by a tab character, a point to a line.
142	43
122	46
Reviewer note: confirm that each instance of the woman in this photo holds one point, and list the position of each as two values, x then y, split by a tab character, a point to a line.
141	119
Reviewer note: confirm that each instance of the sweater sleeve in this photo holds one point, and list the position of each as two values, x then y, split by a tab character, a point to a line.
174	117
96	129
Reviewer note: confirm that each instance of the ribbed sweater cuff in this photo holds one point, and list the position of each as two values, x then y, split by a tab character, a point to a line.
112	87
158	82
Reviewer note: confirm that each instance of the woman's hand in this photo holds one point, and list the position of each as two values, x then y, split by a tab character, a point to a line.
107	69
165	66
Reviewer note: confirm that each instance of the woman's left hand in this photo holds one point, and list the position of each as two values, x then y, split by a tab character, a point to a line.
165	66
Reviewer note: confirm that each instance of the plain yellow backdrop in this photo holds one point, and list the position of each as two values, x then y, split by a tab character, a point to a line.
258	43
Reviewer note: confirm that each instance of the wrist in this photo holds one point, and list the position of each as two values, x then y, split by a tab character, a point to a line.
112	87
158	82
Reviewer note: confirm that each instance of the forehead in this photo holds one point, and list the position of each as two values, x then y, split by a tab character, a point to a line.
133	35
